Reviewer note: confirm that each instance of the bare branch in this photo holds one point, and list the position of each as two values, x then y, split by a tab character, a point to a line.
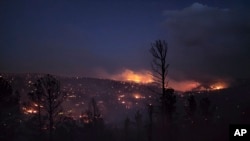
160	68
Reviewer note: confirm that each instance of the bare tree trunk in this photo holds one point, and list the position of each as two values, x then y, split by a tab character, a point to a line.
50	120
40	120
150	128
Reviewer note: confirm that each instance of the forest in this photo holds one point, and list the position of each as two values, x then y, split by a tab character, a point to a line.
189	117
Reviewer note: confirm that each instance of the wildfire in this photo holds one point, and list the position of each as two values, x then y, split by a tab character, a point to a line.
218	86
138	77
183	85
193	85
144	76
138	96
29	110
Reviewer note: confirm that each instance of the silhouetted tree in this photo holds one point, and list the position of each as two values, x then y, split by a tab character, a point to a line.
48	95
150	125
138	121
92	120
191	107
160	70
36	97
9	111
87	118
94	109
168	108
159	64
206	108
127	124
168	100
66	130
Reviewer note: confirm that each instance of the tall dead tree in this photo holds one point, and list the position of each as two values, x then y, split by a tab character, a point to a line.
159	64
167	99
160	70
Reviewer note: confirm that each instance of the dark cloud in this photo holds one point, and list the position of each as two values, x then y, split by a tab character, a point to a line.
208	43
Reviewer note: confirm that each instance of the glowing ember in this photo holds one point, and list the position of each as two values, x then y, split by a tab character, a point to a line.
36	105
122	95
29	111
137	96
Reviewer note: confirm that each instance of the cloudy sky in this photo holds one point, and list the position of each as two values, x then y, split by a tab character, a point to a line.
208	40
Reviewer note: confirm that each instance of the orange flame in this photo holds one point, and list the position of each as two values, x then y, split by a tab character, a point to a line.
137	96
144	76
138	77
219	86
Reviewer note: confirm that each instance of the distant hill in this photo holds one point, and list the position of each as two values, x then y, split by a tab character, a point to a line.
113	97
121	99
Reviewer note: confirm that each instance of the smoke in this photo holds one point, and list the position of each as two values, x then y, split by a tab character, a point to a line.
208	44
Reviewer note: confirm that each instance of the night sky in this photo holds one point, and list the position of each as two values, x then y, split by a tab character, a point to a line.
208	40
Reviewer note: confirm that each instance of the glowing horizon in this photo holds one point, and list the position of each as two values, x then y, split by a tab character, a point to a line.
219	86
145	77
132	76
